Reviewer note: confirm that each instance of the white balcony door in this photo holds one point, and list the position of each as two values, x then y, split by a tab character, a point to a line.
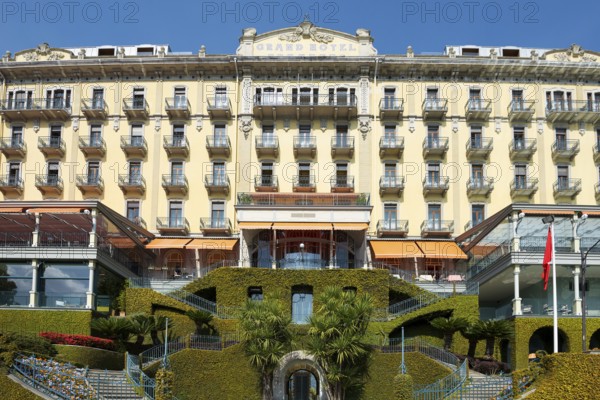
219	173
390	216
179	98
217	216
93	172
434	216
14	173
268	136
389	175
97	99
175	214
177	173
304	136
221	97
135	172
53	173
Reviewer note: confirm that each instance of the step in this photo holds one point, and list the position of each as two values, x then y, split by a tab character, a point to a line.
112	385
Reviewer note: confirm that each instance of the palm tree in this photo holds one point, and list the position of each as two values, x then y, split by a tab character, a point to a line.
115	328
449	326
203	320
337	339
472	333
266	337
492	330
141	326
159	326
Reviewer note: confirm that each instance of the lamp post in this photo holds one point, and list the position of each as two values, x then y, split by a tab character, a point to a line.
302	255
583	306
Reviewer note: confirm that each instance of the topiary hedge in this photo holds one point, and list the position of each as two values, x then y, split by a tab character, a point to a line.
11	390
91	357
39	320
403	387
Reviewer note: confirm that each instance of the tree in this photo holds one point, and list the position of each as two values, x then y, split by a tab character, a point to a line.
141	326
203	321
449	326
159	326
337	339
115	328
266	336
472	332
492	330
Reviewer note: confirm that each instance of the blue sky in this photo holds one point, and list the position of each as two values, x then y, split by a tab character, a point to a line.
185	25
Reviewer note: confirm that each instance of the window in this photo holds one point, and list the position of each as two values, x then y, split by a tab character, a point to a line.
520	176
341	136
268	136
55	136
477	214
563	177
179	97
475	99
593	101
219	176
20	100
389	136
510	52
58	98
301	304
432	101
53	173
178	135
519	137
266	174
476	137
518	102
135	173
138	98
145	51
477	175
95	135
106	52
93	172
433	136
175	214
389	174
221	97
217	214
559	100
561	138
137	135
133	211
341	175
220	135
269	96
389	99
97	98
434	216
304	174
390	215
255	293
14	173
433	174
470	51
305	96
177	177
304	138
16	138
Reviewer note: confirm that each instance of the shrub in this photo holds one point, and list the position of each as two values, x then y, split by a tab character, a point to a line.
403	387
164	384
79	340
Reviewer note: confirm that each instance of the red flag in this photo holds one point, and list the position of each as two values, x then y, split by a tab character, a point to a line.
548	254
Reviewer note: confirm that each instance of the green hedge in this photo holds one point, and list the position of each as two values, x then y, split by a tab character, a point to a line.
209	375
568	376
526	326
10	390
40	320
385	366
93	358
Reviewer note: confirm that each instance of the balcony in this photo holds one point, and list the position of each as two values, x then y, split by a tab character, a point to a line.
342	146
521	187
391	185
478	109
565	149
11	185
305	106
218	183
267	146
266	183
436	185
386	227
391	146
218	146
172	226
522	149
219	107
293	200
134	146
304	183
570	111
437	228
175	184
479	148
132	184
52	146
49	109
177	107
480	186
176	146
13	147
215	226
567	188
305	146
92	147
342	184
136	108
435	146
89	184
435	108
94	108
521	110
49	184
391	108
597	153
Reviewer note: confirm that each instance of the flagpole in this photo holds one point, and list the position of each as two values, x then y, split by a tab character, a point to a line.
554	300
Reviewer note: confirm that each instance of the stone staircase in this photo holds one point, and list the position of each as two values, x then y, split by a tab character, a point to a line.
483	387
112	385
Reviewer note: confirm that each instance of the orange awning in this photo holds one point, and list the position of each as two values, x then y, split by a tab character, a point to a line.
298	226
591	213
57	210
11	210
351	226
549	212
255	225
167	243
395	249
435	249
212	244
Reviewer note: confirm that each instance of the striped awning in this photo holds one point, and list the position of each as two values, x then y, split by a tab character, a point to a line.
350	226
255	225
167	243
439	249
395	249
212	244
57	210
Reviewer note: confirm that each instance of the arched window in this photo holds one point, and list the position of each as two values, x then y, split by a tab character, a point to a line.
174	263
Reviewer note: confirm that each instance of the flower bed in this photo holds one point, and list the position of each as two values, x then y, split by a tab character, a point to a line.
79	340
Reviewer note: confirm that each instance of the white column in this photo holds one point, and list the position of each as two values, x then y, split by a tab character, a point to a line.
241	255
35	236
516	240
93	236
366	253
33	293
517	299
274	256
197	254
331	241
576	239
90	295
577	310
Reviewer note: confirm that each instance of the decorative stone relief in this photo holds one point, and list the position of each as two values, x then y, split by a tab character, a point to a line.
246	125
534	55
36	125
454	124
247	99
323	124
364	95
121	53
364	126
286	124
76	124
410	53
411	124
81	54
202	51
493	54
540	125
498	125
157	121
199	124
581	127
306	30
452	52
161	52
116	122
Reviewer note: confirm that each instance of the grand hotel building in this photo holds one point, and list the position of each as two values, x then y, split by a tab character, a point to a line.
304	149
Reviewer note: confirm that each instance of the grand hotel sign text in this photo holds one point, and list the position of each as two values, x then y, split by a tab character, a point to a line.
304	48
